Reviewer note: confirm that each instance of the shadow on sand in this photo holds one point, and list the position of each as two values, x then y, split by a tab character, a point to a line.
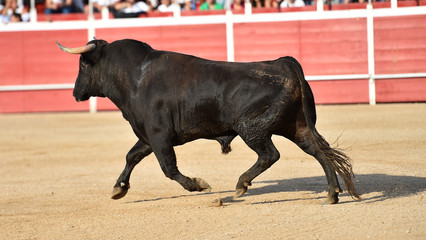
387	187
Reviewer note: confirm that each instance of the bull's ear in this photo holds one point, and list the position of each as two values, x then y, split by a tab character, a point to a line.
96	55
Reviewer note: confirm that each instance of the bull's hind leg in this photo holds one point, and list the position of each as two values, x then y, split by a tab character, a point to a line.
267	156
135	155
305	139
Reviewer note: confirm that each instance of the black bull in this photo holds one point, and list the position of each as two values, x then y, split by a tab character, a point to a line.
170	99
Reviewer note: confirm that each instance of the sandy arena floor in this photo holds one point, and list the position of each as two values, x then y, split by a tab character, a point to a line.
57	173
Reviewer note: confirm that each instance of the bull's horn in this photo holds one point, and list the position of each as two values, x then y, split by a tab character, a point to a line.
88	48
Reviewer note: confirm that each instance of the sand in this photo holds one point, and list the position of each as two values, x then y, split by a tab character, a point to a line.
58	170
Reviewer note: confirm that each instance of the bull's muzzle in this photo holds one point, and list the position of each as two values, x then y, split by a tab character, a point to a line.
80	94
81	97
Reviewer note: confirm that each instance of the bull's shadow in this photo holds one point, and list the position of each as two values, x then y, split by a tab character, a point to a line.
387	187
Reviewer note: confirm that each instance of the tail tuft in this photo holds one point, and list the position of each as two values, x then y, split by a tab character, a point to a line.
340	163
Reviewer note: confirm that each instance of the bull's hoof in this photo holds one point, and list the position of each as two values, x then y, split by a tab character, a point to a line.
239	192
119	192
331	200
226	149
241	188
202	186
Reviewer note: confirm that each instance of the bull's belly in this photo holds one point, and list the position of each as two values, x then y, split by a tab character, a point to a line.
206	131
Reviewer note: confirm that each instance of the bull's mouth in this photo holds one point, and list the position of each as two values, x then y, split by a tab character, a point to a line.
81	98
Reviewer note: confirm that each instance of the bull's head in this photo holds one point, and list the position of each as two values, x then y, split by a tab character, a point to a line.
88	80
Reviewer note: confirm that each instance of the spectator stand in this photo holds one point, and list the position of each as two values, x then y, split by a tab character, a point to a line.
37	8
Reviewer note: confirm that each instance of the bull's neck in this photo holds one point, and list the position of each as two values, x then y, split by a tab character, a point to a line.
118	92
119	81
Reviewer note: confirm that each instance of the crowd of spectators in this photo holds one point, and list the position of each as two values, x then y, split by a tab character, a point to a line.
13	11
17	10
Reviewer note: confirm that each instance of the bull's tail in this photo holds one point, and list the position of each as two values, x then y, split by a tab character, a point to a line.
336	159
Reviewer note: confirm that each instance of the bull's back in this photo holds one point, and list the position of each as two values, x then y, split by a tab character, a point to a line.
210	98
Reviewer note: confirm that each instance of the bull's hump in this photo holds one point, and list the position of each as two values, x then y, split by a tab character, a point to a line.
269	77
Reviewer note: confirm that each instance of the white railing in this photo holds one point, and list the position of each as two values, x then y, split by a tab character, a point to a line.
229	19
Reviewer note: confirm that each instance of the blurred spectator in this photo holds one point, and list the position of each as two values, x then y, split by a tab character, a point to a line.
221	2
292	3
78	5
264	3
15	17
58	6
130	8
98	4
333	1
211	5
256	3
153	4
13	11
353	1
237	5
165	6
187	5
268	3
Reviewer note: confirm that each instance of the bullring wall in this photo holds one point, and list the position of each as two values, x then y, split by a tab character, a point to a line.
325	47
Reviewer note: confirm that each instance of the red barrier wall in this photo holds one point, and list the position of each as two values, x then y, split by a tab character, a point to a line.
32	57
400	47
324	47
400	44
206	41
344	91
40	101
402	90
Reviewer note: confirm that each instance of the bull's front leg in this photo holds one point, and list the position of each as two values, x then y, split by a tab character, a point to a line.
135	155
166	156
